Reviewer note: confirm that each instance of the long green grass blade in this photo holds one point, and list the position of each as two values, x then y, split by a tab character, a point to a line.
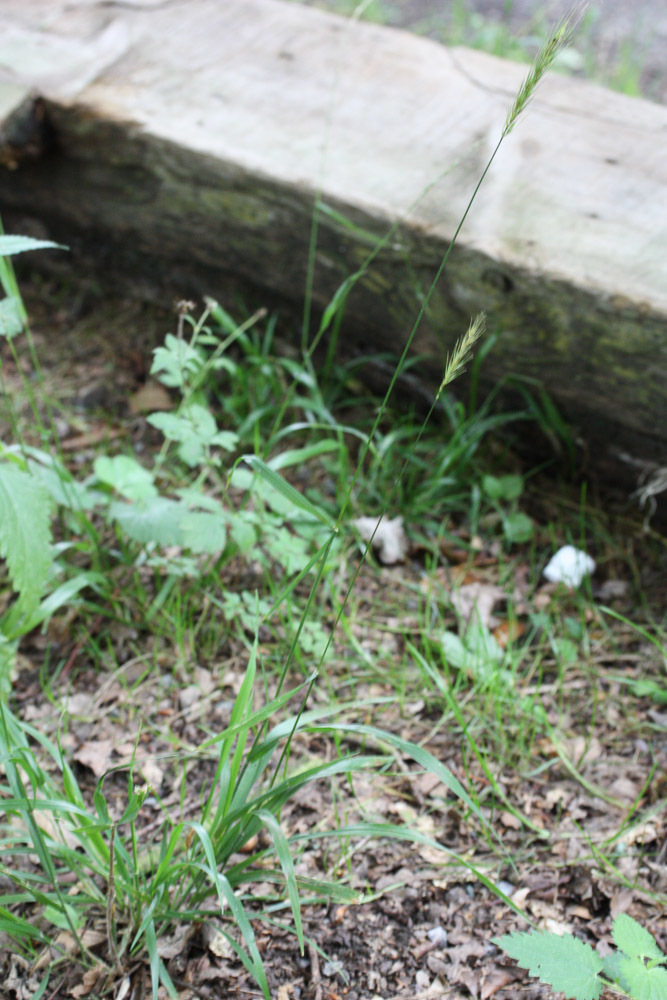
286	490
284	856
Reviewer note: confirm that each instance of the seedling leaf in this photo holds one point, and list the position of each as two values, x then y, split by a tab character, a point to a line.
567	964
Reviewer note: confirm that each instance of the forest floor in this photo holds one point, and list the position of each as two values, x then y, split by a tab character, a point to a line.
556	724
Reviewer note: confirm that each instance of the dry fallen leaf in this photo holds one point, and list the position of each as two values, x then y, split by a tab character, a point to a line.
478	599
389	541
88	982
95	754
151	396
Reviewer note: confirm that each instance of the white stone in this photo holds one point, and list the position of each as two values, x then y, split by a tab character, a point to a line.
569	566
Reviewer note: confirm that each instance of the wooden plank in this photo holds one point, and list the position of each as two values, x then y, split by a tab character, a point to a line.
193	146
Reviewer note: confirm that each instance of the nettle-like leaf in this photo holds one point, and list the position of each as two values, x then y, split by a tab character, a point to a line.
176	362
287	549
25	532
154	520
634	940
567	964
204	532
642	981
196	431
126	475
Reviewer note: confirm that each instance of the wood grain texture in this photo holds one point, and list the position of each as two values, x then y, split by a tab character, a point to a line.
193	137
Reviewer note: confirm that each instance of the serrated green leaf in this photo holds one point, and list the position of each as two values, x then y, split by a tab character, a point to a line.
196	430
175	362
126	475
204	532
242	530
611	967
644	983
634	940
11	245
287	549
25	533
567	964
156	520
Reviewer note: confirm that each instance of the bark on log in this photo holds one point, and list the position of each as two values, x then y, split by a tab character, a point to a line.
191	139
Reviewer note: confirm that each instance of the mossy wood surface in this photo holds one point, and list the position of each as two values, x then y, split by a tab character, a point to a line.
187	141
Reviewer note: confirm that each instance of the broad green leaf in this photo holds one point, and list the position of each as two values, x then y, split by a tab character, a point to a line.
176	362
611	968
634	940
644	983
196	431
567	964
11	245
204	532
503	487
454	650
126	475
286	489
25	533
158	520
477	651
242	530
517	527
287	549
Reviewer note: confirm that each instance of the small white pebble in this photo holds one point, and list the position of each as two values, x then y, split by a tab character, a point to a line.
569	566
438	935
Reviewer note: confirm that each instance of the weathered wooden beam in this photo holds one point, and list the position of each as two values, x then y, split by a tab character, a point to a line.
191	139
